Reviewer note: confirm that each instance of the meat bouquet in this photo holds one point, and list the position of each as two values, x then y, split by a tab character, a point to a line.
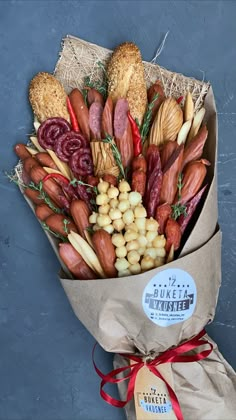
123	172
121	175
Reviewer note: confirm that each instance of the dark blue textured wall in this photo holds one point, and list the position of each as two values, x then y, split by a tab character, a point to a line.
45	367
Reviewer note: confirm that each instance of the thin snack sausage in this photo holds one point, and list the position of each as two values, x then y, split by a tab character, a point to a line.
193	177
194	148
163	213
155	89
139	181
61	224
173	234
42	211
167	151
154	180
50	187
112	179
123	132
94	96
33	195
139	163
81	111
75	263
191	206
21	151
105	251
44	159
80	213
29	163
171	173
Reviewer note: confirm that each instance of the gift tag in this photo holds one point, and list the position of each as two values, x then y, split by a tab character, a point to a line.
170	297
151	397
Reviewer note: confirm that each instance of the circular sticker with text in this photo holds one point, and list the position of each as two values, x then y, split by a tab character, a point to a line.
170	297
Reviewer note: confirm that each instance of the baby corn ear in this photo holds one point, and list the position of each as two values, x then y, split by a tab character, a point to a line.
196	123
170	256
183	133
188	107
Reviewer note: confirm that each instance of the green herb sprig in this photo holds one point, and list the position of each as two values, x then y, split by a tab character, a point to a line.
75	182
178	208
57	235
145	127
90	188
117	156
36	187
65	223
44	196
100	86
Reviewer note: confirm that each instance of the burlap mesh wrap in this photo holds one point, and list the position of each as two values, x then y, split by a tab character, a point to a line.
79	59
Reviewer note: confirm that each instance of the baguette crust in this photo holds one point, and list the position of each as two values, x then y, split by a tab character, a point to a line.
48	97
126	78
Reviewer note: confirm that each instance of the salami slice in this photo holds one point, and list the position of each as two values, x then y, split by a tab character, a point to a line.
120	117
50	130
95	120
81	162
68	143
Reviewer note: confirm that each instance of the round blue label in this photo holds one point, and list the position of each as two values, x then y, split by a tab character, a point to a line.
170	297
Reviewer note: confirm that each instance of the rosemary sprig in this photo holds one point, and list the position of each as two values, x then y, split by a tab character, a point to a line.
102	67
116	154
75	182
44	196
85	95
57	235
13	178
100	86
65	223
91	188
180	185
36	187
178	208
144	129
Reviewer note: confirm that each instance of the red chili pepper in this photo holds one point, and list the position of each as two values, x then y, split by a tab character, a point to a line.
137	140
57	176
73	119
179	100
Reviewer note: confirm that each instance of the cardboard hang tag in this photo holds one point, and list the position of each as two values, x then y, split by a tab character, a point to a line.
151	396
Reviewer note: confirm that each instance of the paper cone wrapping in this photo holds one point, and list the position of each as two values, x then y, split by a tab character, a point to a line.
206	389
113	312
160	308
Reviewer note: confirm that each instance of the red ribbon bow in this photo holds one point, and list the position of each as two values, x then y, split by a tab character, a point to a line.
175	355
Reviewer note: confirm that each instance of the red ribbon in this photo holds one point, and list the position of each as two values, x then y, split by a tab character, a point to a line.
175	355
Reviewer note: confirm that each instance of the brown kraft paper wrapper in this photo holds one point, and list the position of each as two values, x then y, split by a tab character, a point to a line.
112	309
206	390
